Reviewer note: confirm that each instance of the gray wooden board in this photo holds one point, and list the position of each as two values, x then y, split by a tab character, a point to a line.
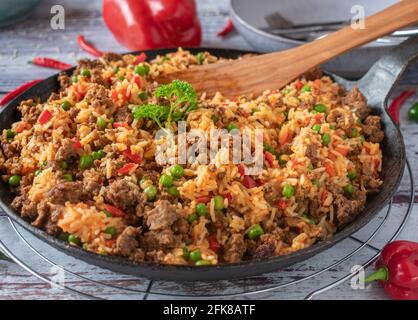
34	37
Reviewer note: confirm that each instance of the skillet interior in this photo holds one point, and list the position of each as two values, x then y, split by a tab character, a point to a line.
393	166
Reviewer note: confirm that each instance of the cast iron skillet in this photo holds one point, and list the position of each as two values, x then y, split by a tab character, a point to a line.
376	85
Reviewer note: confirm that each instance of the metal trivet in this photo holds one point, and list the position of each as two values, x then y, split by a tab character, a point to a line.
86	281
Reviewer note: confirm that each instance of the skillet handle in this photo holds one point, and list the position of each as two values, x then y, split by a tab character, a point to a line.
378	83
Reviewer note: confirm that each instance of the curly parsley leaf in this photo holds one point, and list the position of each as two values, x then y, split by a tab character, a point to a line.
179	93
152	111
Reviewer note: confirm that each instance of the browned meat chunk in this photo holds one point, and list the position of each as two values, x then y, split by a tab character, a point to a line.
112	57
235	248
71	191
358	102
312	152
123	194
26	207
123	114
64	80
343	118
30	112
347	209
154	240
372	129
127	242
10	149
98	96
66	150
313	74
263	251
162	216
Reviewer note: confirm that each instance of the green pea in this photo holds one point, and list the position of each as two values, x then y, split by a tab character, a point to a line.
142	70
14	180
173	191
66	105
151	192
351	175
121	78
111	230
192	218
200	57
115	70
316	128
320	108
202	263
166	180
143	95
107	213
270	149
177	171
413	112
218	203
85	73
97	155
64	165
68	177
101	123
326	138
74	240
255	231
354	133
86	162
195	255
201	209
9	133
74	79
186	254
286	91
306	88
332	127
288	191
349	189
38	172
231	126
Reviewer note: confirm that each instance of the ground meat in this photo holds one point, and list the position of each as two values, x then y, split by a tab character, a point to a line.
157	240
10	149
29	110
71	191
263	251
123	114
112	57
372	129
64	80
235	248
88	64
123	194
127	242
358	102
98	96
66	151
347	209
313	74
155	256
343	118
24	205
312	152
162	216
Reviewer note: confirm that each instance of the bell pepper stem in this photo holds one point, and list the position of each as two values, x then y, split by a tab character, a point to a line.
380	274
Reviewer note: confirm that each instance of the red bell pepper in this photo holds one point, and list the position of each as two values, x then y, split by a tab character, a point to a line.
282	204
116	212
76	143
397	270
127	168
44	117
214	245
134	157
150	24
120	124
140	58
203	199
249	182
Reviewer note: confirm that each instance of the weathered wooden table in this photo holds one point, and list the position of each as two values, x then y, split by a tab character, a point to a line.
34	37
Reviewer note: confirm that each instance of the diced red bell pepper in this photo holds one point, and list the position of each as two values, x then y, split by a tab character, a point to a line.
76	143
342	150
134	157
269	159
203	199
137	79
45	116
241	169
299	84
282	204
127	168
120	124
228	196
249	182
214	245
116	212
329	168
140	58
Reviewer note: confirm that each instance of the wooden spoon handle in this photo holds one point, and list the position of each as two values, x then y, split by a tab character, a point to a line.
398	16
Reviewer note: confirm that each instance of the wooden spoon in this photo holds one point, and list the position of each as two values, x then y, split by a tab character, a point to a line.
275	70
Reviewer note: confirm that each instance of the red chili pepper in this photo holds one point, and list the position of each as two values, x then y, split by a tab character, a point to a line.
88	47
116	212
127	168
120	124
134	157
214	245
14	93
282	204
227	29
203	199
140	58
50	63
150	24
397	270
44	117
76	143
397	103
249	182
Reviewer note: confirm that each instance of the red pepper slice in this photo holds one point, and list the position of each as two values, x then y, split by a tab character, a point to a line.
44	117
50	63
137	79
214	245
269	158
134	157
203	199
397	103
228	196
140	58
14	93
249	182
227	29
120	124
116	212
282	204
127	168
76	143
299	84
241	169
88	47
